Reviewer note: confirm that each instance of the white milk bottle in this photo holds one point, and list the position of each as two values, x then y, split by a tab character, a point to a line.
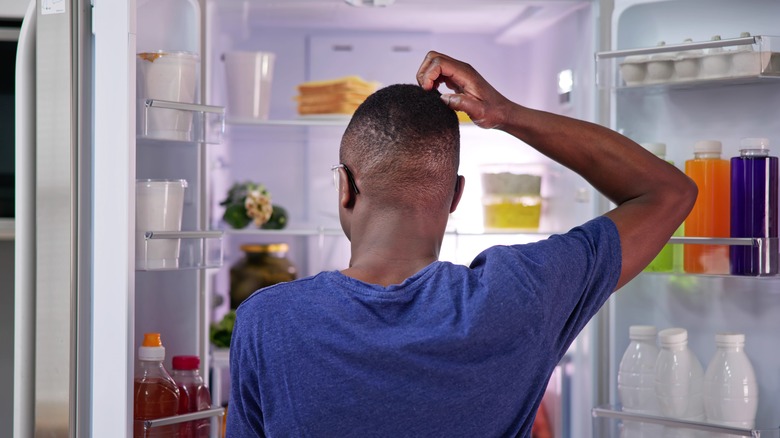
636	374
678	377
636	381
730	388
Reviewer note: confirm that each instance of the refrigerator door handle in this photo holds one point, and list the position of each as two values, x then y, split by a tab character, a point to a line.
24	223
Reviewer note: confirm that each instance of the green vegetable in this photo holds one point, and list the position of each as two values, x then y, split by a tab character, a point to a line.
278	219
235	216
221	332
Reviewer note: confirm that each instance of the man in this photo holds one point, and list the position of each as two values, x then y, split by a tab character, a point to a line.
400	344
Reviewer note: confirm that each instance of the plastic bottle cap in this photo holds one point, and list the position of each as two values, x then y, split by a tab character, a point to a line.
641	332
754	143
151	349
152	340
673	336
708	146
186	362
657	149
729	339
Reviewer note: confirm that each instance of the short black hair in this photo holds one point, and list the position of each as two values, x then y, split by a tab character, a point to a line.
403	145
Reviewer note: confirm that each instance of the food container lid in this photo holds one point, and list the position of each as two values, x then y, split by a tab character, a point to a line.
729	339
154	56
708	146
672	336
264	248
151	349
152	182
754	143
185	362
657	149
641	332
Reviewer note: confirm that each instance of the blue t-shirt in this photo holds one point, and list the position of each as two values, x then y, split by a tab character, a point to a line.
453	351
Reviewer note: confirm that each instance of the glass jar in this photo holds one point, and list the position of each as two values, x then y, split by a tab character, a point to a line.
263	265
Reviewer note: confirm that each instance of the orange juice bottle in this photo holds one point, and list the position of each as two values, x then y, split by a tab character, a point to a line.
710	216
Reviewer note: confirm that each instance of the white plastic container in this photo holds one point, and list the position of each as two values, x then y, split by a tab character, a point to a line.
678	377
170	76
636	374
249	76
730	387
158	207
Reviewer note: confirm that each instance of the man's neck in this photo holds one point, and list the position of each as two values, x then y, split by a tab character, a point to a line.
390	247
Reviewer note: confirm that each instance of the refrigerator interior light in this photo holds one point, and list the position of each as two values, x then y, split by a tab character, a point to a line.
372	3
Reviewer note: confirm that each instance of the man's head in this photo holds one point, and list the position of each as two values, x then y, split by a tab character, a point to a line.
403	147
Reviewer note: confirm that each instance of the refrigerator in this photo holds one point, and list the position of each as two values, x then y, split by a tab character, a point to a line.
83	300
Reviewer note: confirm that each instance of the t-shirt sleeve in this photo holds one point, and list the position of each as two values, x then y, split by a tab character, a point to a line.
561	281
245	417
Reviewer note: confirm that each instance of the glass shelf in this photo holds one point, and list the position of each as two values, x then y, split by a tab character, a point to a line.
322	231
730	61
606	418
182	122
325	120
304	121
176	419
197	250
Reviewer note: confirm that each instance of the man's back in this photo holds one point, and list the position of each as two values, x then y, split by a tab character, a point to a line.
452	351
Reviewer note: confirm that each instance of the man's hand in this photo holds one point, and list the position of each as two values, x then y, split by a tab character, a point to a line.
472	93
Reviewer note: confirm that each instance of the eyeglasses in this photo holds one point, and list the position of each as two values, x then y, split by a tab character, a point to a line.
350	178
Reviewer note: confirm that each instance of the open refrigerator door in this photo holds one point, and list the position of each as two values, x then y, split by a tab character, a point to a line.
714	78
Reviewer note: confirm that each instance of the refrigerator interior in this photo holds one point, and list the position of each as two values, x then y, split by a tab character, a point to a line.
520	47
680	116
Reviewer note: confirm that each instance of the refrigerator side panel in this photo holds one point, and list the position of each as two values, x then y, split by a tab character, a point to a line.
55	221
24	251
114	199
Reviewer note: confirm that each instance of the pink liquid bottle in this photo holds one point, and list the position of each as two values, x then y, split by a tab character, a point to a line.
754	208
198	398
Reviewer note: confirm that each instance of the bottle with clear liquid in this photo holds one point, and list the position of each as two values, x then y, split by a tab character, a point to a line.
754	208
730	387
710	214
666	260
678	377
195	395
155	394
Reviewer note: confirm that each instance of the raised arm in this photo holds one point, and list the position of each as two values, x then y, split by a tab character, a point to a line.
652	196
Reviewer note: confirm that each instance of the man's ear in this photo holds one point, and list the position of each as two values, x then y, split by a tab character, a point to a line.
460	183
346	194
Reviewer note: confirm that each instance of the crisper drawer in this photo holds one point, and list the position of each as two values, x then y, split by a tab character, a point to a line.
743	59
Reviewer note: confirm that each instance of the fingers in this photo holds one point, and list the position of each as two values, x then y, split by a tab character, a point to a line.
436	69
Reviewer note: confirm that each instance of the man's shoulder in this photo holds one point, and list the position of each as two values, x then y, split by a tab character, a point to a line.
284	292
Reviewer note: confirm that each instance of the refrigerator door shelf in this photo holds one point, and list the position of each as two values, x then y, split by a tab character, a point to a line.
763	252
720	62
166	421
197	250
180	122
607	423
